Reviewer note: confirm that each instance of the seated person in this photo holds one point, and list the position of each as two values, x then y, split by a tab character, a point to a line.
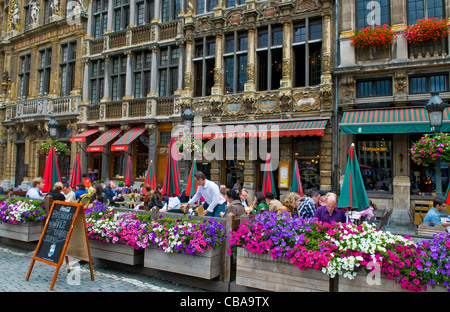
367	213
173	205
434	214
330	212
235	205
55	193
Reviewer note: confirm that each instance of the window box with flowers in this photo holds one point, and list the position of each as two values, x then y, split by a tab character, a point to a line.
373	37
60	147
426	30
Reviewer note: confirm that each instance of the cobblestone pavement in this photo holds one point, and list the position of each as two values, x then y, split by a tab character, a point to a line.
15	262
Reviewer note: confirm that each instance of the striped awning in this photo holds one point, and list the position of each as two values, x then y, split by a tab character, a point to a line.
105	138
81	137
291	128
390	120
122	143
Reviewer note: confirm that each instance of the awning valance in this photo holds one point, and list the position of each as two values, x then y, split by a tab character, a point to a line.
278	129
81	137
122	143
390	120
105	138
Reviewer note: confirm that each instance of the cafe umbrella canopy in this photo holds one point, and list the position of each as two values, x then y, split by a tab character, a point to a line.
150	178
51	174
129	172
171	186
296	180
353	194
191	187
268	181
76	177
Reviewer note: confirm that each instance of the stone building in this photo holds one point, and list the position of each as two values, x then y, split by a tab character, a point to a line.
381	97
40	60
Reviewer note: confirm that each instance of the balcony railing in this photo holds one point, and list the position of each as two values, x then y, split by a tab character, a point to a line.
428	49
131	109
44	106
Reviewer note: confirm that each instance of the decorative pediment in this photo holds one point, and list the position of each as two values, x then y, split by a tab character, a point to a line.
204	24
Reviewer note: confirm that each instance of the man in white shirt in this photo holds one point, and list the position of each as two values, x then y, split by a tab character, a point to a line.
69	194
210	192
35	191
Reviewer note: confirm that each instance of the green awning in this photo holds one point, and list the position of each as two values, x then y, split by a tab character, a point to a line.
390	120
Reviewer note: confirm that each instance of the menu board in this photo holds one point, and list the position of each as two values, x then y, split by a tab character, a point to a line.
56	233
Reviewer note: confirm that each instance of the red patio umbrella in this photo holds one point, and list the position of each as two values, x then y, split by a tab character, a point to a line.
76	178
268	181
191	187
150	178
296	180
129	172
171	185
51	173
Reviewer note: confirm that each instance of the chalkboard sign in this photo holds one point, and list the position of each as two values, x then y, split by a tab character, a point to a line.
56	233
64	235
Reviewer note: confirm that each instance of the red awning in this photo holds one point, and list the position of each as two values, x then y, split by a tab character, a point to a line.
105	138
81	137
122	143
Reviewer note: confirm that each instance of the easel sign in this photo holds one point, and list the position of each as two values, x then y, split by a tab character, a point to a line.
64	235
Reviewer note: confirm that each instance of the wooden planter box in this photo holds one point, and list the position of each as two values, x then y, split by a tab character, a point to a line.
263	272
364	283
116	252
26	232
207	265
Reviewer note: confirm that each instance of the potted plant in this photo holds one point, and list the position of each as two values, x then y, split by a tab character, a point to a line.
22	218
60	147
372	37
426	30
431	148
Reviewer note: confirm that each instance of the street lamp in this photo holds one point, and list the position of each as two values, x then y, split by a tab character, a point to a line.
435	108
53	127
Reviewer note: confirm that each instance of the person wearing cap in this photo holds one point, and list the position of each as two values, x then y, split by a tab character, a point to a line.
210	191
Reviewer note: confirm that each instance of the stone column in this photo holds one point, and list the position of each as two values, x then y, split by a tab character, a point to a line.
129	77
85	98
107	81
133	13
110	22
286	80
250	85
154	72
90	24
217	89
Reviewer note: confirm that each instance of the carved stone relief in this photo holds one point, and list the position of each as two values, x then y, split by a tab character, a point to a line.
347	85
306	101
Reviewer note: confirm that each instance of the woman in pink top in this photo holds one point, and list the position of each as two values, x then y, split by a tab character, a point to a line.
368	212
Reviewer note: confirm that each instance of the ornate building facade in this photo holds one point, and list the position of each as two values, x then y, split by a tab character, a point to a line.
381	96
41	47
244	67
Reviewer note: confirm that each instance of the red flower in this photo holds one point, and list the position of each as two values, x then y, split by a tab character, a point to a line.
376	37
429	29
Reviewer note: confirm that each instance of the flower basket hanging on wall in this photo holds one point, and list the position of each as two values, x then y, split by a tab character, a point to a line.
60	147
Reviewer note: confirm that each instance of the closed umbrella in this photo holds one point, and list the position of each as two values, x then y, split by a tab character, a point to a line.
296	180
353	194
268	181
76	178
129	172
447	195
191	187
171	186
150	178
51	173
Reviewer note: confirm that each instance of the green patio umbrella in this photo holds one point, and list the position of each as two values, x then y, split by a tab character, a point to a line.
171	185
296	180
51	173
353	194
129	172
150	178
191	187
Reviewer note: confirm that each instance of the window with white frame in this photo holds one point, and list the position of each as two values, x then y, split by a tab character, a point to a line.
168	70
205	6
307	50
97	79
269	57
235	61
170	10
100	17
44	70
142	73
420	9
67	67
24	75
118	76
145	12
121	14
204	63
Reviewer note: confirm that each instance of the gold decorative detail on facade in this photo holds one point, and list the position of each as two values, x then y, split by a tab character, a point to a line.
400	82
286	68
306	101
307	5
